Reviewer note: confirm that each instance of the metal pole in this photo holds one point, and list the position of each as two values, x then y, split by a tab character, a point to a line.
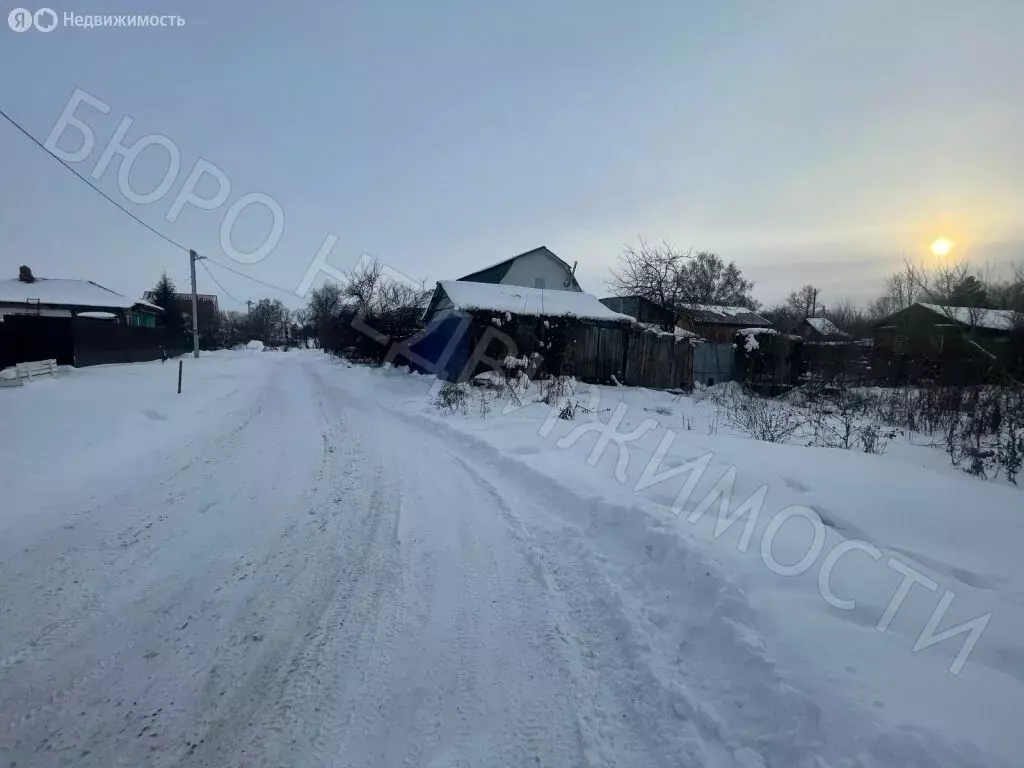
180	364
192	258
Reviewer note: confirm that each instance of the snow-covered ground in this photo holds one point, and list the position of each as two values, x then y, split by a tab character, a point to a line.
301	562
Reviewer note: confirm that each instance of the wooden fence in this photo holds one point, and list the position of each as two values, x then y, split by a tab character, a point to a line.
462	345
632	355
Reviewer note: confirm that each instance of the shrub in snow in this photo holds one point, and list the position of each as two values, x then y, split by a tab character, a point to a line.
451	397
1011	451
553	389
872	440
760	418
569	411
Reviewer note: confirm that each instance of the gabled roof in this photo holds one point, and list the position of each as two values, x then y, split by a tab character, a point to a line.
64	293
495	272
515	300
714	314
825	327
977	317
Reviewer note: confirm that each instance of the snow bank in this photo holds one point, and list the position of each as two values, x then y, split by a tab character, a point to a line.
255	346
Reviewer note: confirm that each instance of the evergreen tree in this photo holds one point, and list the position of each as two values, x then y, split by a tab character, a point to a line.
164	296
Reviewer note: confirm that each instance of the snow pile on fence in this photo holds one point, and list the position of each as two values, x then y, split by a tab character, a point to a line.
517	300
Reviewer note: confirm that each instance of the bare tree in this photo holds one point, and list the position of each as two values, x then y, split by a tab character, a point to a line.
363	284
850	318
324	303
955	288
781	316
671	278
654	272
378	310
707	279
803	302
268	321
902	290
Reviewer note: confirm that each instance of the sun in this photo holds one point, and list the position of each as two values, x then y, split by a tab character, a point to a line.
942	246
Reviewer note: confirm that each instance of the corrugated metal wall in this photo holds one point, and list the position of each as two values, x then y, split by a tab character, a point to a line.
714	363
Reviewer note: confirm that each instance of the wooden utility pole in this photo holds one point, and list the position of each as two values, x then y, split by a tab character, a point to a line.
248	307
193	257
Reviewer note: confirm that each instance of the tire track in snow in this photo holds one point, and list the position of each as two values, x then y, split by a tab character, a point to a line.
714	699
298	716
93	662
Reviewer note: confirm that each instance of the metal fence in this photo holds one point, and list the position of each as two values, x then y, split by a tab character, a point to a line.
714	363
76	341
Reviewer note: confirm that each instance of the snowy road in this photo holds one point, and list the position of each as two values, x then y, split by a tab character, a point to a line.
286	572
307	579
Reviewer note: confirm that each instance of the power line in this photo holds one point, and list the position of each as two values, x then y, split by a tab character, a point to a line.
88	183
124	210
217	282
250	277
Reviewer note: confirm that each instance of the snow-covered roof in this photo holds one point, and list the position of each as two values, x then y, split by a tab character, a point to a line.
149	304
679	333
993	319
518	300
723	315
73	293
98	315
824	326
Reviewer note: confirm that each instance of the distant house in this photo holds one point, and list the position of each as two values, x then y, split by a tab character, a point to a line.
719	324
951	337
940	331
75	322
206	304
819	329
539	268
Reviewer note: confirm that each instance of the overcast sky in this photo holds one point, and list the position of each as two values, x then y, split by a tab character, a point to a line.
810	141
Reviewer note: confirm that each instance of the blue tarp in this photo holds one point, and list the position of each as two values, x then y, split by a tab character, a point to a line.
442	348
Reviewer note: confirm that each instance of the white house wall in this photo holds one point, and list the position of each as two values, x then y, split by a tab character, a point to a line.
526	269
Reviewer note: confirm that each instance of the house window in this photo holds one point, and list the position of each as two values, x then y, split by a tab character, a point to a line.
538	282
938	341
900	344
